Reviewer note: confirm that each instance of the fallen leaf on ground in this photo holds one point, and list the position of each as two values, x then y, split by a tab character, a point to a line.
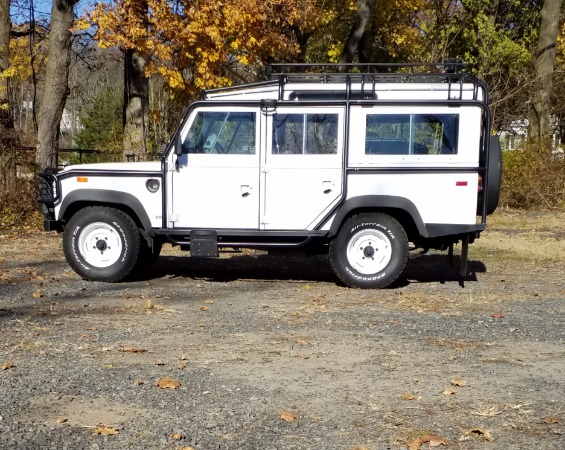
209	302
497	316
37	293
449	391
203	308
7	365
167	383
133	350
288	416
459	382
62	419
103	430
551	420
186	448
477	431
138	382
409	396
431	439
177	436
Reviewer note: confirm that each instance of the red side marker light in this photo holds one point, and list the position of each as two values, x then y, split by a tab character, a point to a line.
461	183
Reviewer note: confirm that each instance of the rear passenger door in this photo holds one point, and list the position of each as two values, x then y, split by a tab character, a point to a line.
301	167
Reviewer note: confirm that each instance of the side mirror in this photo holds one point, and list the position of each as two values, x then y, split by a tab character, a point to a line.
178	146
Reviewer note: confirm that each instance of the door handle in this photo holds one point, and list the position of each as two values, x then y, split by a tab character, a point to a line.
245	190
327	186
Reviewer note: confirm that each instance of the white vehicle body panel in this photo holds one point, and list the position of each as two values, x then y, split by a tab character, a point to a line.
104	177
439	198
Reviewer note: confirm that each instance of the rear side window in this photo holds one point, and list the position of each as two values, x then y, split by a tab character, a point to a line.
305	134
411	134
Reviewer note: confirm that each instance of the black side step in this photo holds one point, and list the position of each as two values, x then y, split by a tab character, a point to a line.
204	244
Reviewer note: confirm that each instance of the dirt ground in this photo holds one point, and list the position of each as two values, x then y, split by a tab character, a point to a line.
271	352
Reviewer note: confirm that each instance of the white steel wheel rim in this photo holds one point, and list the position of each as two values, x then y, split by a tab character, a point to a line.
369	251
100	244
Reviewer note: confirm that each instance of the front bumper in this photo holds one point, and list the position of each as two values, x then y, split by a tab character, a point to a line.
48	195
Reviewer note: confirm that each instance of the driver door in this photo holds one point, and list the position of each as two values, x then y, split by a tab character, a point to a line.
215	182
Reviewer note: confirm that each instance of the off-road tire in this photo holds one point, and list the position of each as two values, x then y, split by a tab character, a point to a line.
101	244
370	251
494	174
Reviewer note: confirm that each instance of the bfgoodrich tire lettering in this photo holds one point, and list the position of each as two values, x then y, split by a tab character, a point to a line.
101	244
370	251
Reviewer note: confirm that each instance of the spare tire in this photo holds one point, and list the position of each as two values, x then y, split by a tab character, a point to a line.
494	170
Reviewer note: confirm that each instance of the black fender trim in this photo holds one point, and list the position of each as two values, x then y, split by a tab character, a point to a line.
448	229
108	197
378	202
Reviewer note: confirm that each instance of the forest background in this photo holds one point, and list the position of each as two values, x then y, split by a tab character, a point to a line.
116	76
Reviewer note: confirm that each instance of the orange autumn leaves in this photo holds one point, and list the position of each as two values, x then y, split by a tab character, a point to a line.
193	45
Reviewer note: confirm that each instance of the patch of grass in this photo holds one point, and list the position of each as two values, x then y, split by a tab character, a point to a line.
523	236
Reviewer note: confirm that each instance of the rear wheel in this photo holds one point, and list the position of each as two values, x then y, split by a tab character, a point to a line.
370	251
101	244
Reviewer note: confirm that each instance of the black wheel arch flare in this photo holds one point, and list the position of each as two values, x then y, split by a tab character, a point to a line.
120	200
395	206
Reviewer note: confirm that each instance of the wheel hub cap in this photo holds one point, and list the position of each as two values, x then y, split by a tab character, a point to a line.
100	244
369	251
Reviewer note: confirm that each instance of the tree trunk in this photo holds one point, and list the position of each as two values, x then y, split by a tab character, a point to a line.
136	107
359	31
545	59
56	83
8	139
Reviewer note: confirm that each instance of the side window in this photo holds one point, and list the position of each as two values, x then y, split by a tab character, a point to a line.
221	132
411	134
305	134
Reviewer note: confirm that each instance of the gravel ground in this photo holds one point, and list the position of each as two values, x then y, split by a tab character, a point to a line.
270	352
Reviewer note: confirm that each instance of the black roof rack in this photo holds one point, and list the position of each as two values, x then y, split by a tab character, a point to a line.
397	72
452	72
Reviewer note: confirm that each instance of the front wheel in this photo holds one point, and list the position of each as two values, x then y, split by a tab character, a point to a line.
101	244
370	251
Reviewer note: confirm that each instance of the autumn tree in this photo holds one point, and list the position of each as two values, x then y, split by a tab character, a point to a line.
200	45
7	132
56	88
360	34
544	61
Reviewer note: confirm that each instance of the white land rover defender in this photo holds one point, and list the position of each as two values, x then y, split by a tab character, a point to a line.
359	165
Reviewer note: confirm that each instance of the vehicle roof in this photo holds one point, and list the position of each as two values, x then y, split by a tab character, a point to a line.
382	91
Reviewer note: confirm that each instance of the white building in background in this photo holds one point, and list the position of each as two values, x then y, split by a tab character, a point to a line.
514	135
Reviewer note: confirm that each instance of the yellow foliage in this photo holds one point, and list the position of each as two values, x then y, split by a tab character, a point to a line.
20	59
205	37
